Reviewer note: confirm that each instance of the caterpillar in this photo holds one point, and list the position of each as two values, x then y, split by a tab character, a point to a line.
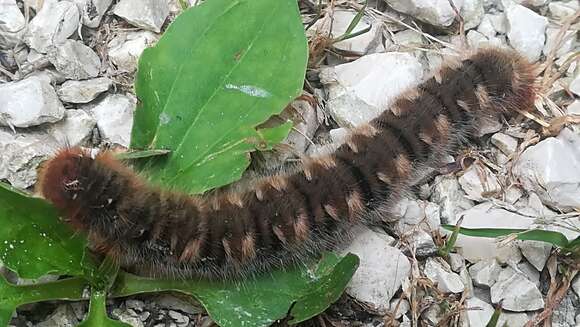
293	215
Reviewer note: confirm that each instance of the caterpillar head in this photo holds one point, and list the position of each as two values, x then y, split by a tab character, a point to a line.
60	178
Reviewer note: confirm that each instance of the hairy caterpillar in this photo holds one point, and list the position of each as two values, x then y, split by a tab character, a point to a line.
285	218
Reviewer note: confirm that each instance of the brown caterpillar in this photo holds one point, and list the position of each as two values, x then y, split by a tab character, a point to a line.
285	218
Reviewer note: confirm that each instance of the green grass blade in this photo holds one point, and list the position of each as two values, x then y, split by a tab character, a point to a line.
554	238
353	23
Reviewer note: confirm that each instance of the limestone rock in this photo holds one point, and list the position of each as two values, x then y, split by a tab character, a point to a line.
147	14
516	292
555	163
29	102
369	85
83	91
125	49
92	11
479	183
381	271
114	117
12	24
53	24
74	60
439	272
526	31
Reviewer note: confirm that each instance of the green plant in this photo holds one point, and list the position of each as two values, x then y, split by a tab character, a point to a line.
567	247
221	69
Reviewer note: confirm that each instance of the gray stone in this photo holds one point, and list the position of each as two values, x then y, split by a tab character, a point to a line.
83	91
416	214
29	102
479	183
532	3
478	312
92	11
526	31
516	292
369	84
147	14
75	129
512	319
565	45
136	305
529	271
74	60
435	12
305	119
381	271
20	155
456	261
564	314
339	135
486	26
488	126
408	39
114	115
576	285
499	22
574	108
560	10
536	253
12	24
575	85
447	193
128	316
472	12
439	272
125	49
53	24
401	306
63	316
504	143
551	169
484	273
180	319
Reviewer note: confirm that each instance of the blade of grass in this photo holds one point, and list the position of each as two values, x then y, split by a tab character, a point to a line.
555	238
353	23
450	243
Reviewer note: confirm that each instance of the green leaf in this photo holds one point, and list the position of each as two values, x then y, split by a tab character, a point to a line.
34	242
136	154
262	301
220	69
12	296
555	238
268	137
97	316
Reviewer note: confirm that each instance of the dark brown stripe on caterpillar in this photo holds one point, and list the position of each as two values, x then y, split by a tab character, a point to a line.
288	217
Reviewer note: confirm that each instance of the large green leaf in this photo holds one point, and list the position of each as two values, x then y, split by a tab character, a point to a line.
219	70
34	242
11	296
259	302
